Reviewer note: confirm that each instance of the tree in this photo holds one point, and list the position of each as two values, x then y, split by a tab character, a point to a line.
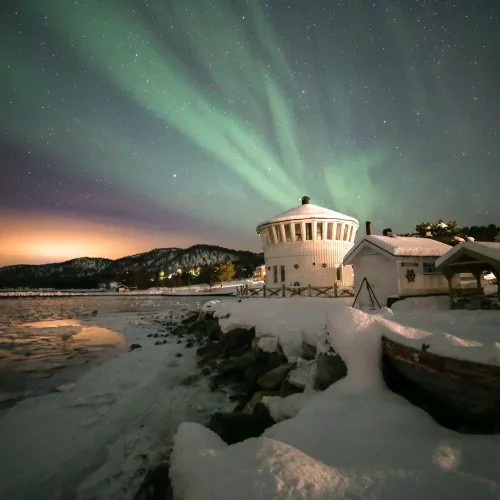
225	272
208	275
446	232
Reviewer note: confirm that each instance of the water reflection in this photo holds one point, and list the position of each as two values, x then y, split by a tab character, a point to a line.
37	357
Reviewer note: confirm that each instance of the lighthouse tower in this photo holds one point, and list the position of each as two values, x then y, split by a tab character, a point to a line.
306	246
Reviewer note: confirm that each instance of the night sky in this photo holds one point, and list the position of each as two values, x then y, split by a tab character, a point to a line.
127	125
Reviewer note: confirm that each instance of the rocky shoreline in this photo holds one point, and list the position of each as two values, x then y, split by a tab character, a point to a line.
235	364
255	373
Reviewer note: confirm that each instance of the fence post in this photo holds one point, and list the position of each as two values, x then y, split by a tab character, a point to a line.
335	287
283	290
263	290
310	291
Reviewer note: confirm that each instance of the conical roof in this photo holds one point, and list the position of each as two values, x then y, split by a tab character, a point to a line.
308	211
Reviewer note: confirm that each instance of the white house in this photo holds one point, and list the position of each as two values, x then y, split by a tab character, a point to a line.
259	273
396	267
306	246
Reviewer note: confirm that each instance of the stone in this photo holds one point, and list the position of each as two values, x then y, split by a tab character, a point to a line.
236	366
156	485
179	354
236	427
135	346
330	368
264	364
189	344
287	389
273	379
191	379
308	351
210	349
238	337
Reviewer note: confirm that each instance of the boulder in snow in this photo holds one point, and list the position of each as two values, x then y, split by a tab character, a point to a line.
330	368
273	379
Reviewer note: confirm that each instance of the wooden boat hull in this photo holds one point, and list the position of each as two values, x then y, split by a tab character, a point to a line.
468	389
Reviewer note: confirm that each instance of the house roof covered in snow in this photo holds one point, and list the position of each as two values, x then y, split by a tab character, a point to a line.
308	211
399	246
485	251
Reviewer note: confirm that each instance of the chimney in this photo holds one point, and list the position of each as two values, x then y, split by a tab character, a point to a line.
305	200
368	228
387	232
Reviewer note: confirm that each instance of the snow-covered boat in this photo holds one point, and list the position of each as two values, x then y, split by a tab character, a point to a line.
464	391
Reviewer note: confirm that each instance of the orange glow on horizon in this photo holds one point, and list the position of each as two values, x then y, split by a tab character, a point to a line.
45	238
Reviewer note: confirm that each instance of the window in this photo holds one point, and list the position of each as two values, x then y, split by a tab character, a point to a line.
275	274
429	268
279	235
346	231
339	273
282	274
329	231
288	232
272	235
338	232
319	230
298	231
309	231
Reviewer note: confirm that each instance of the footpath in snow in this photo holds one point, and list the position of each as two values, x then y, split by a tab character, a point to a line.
355	440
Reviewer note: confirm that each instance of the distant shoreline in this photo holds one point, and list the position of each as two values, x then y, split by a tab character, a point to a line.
42	295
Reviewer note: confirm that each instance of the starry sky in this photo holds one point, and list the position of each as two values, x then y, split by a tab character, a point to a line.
127	125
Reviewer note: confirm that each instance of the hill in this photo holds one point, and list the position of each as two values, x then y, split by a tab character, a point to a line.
87	272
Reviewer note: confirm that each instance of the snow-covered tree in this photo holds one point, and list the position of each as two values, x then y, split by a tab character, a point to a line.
446	232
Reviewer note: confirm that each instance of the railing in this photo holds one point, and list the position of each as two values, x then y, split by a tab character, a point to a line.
334	291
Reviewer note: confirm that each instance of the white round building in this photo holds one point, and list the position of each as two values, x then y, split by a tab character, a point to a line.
306	246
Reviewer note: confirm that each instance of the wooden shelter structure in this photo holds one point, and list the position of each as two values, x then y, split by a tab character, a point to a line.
476	258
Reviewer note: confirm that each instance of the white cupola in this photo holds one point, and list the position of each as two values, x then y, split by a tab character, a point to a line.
306	246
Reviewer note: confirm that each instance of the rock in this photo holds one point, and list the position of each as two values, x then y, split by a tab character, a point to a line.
192	379
94	313
156	485
238	338
308	351
251	404
265	363
330	368
179	355
237	366
273	379
209	350
190	318
135	346
189	344
236	427
287	389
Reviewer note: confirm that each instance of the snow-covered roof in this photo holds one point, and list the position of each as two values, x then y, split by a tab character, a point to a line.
490	250
399	246
308	211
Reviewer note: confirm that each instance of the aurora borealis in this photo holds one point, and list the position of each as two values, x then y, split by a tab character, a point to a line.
127	125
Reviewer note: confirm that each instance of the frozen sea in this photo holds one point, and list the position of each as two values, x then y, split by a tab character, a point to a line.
82	416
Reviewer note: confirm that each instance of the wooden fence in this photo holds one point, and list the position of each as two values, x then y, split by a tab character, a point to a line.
333	291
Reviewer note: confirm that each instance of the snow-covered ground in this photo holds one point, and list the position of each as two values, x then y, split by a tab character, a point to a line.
226	288
356	440
96	438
